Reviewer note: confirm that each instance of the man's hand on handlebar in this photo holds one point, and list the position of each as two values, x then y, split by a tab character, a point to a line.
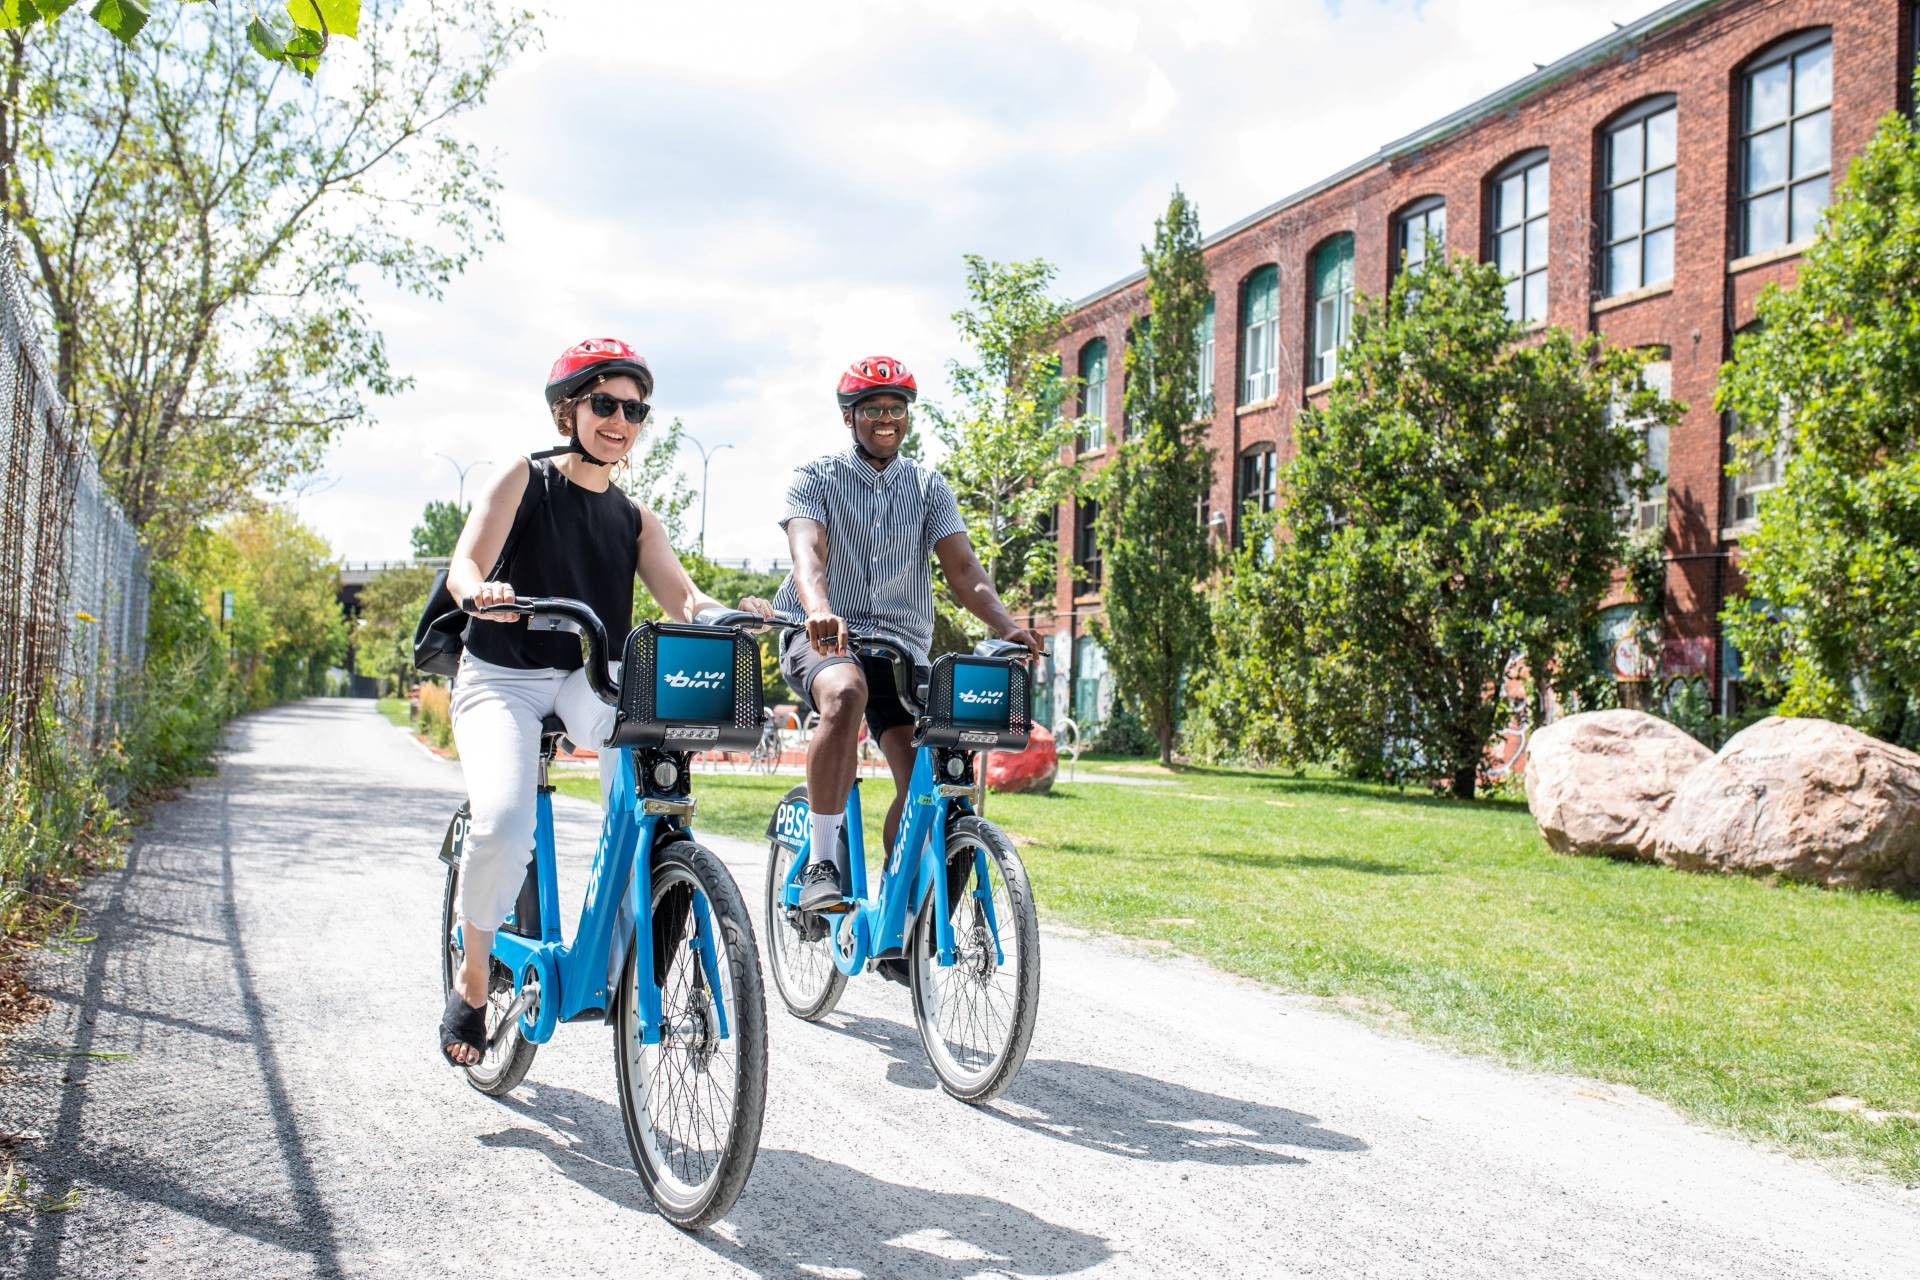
826	631
491	593
1021	635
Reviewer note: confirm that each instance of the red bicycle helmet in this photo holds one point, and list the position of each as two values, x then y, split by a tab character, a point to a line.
583	362
875	375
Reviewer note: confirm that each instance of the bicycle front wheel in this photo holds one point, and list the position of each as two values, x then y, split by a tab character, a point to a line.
693	1103
976	1016
799	943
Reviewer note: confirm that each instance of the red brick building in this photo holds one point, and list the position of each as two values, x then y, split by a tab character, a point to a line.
1646	187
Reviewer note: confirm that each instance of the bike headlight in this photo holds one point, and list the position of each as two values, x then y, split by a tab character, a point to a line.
955	767
665	774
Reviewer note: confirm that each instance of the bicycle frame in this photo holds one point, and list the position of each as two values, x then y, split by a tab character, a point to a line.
575	980
876	926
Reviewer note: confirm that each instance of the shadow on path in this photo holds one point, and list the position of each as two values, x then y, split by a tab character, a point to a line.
1118	1112
77	1152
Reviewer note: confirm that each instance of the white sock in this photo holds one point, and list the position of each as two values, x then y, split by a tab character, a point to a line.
826	835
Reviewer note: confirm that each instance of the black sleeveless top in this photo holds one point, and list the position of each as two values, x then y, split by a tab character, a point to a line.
566	541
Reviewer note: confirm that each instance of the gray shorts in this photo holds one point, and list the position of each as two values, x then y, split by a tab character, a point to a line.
800	663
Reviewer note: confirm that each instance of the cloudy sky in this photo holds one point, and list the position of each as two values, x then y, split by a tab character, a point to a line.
754	194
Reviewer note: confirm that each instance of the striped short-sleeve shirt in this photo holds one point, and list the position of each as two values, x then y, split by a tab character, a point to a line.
881	529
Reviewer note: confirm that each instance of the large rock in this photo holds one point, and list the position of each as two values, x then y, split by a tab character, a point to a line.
1807	799
1030	770
1598	782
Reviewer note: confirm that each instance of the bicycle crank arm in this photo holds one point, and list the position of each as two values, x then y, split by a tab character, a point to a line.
521	1003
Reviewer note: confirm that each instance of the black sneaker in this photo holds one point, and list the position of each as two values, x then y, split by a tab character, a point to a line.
820	889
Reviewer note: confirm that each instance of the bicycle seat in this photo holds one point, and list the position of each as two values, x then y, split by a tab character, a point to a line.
551	724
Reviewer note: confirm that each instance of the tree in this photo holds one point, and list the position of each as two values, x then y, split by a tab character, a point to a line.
1454	505
653	478
439	527
1155	552
287	627
1004	446
390	606
299	42
1829	381
201	222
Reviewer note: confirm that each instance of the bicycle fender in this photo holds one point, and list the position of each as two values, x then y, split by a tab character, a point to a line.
626	927
789	826
456	838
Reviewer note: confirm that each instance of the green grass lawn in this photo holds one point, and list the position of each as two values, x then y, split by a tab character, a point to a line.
1741	1002
394	709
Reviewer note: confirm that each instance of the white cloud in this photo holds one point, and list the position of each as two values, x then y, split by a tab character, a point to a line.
753	196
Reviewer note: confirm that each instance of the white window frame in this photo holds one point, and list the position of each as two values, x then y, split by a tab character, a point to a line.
1755	481
1093	400
1641	514
1332	311
1203	358
1259	340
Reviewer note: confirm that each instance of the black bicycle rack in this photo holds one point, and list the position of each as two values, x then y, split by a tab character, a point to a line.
977	704
689	688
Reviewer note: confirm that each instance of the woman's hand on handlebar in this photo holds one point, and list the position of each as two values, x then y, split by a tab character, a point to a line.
491	593
754	604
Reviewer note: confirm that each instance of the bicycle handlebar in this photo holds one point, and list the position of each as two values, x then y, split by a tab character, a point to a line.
896	653
558	613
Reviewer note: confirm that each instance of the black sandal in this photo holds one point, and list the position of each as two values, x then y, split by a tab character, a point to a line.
464	1025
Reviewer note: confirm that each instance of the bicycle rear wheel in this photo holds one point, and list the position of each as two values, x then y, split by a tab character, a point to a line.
505	1064
693	1103
976	1016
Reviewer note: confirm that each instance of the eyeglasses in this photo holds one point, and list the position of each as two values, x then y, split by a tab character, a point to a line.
883	412
603	403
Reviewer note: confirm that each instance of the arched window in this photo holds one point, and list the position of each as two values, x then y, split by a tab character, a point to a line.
1519	225
1258	486
1332	276
1203	359
1413	227
1785	155
1637	211
1093	396
1260	336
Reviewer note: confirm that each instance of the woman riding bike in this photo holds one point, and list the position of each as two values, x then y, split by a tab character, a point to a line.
566	530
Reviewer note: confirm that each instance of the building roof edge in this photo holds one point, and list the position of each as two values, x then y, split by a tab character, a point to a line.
1509	96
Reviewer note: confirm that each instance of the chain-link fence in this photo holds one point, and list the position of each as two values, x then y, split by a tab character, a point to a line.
73	579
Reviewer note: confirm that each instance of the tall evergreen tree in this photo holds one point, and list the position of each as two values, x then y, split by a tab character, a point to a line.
1156	557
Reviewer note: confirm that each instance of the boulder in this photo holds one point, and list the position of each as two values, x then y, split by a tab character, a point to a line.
1029	770
1806	799
1599	781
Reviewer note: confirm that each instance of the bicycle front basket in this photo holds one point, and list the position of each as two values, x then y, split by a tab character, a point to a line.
981	704
689	688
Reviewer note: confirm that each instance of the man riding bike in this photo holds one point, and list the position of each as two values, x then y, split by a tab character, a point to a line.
862	524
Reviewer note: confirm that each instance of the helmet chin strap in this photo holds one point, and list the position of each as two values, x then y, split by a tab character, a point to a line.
572	446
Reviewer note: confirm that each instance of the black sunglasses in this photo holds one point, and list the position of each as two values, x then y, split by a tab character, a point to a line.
634	411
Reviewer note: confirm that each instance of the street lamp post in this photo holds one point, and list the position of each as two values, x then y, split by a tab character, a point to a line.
706	456
461	500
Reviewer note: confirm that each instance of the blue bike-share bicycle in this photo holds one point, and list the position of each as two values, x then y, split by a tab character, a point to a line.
953	904
685	1003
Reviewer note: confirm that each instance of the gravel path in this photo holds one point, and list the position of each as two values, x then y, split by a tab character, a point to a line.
266	965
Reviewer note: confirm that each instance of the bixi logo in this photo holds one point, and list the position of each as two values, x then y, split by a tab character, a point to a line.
698	680
982	697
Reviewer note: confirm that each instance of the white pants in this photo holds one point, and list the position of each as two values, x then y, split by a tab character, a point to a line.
496	725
